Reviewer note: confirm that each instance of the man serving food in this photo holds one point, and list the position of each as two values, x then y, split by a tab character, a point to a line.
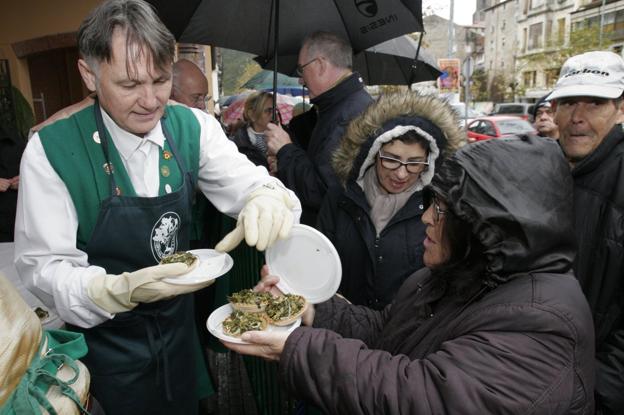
106	193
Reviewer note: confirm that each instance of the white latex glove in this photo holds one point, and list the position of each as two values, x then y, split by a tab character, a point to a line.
119	293
266	216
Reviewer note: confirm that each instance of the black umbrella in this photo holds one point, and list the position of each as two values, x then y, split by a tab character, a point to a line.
256	26
249	25
397	61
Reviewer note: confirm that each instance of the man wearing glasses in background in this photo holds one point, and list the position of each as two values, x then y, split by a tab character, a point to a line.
543	119
189	86
324	67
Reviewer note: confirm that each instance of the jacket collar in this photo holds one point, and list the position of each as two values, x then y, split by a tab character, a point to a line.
595	159
347	86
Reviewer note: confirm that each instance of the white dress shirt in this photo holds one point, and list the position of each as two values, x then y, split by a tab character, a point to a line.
46	256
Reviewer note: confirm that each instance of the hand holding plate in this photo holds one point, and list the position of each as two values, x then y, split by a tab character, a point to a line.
268	345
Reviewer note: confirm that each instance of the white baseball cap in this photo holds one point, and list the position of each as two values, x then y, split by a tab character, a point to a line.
592	74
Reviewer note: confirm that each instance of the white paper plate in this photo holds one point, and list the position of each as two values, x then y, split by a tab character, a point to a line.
307	264
215	325
212	264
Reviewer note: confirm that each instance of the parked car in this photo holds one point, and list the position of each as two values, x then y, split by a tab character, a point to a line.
460	109
523	110
497	126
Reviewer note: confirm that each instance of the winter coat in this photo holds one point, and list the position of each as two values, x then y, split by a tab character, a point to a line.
309	172
599	265
253	153
374	266
520	343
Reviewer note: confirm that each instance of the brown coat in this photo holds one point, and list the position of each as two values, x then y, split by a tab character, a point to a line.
443	359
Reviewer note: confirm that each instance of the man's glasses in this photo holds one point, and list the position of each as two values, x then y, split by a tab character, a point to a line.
300	68
199	99
391	163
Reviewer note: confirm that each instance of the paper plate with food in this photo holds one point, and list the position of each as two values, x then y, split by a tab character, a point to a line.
204	265
228	324
250	310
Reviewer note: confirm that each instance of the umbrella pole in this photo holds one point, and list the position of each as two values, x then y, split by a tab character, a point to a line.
415	64
275	44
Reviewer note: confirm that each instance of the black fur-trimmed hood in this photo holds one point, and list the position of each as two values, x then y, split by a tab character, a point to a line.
363	131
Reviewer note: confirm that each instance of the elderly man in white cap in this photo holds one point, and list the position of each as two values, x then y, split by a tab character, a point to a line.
589	108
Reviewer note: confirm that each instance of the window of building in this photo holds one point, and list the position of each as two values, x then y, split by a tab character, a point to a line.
536	3
535	35
614	22
561	30
551	76
528	78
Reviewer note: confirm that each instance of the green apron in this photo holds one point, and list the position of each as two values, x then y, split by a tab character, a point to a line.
145	361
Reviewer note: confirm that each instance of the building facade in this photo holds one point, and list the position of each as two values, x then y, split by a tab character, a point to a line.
543	30
500	44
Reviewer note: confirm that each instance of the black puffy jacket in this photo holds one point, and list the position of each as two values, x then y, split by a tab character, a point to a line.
253	153
309	173
374	266
599	266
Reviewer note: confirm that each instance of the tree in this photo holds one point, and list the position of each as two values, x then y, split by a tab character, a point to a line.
235	66
479	85
498	88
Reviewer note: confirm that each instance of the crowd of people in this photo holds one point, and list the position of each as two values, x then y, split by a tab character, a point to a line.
476	278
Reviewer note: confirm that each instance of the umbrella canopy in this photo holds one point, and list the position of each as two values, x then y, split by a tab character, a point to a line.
389	63
249	25
394	62
234	112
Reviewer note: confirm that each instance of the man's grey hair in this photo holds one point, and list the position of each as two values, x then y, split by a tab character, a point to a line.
145	34
333	47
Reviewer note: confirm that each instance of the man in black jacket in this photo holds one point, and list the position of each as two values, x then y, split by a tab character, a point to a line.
338	95
589	110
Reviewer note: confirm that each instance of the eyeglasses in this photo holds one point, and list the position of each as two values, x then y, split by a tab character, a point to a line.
437	210
268	110
300	68
199	99
391	163
431	199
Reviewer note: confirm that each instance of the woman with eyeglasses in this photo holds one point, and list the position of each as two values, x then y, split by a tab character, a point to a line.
495	324
249	135
387	156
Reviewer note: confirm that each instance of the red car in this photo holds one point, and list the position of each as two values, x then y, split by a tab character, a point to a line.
497	126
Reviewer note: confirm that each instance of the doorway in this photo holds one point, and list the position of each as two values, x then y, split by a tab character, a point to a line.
55	81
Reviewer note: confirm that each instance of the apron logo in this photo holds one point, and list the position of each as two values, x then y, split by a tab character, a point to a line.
367	8
165	235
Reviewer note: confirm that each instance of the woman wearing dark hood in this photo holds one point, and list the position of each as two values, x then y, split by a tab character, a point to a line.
386	158
496	323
